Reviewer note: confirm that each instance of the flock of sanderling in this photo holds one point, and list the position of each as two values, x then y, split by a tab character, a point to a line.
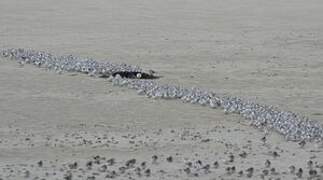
292	126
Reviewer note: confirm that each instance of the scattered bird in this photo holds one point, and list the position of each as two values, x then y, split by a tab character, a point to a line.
147	172
40	163
299	173
264	139
169	159
267	163
310	164
243	154
111	162
265	172
250	172
302	143
216	164
154	157
130	163
292	169
312	172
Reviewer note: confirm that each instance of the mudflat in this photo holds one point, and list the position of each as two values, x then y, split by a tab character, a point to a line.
77	127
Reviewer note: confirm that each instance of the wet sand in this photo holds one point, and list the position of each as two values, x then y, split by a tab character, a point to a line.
268	52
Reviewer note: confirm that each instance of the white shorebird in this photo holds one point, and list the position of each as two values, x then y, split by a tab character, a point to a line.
291	125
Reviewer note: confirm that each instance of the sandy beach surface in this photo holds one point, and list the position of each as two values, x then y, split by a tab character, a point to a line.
73	126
